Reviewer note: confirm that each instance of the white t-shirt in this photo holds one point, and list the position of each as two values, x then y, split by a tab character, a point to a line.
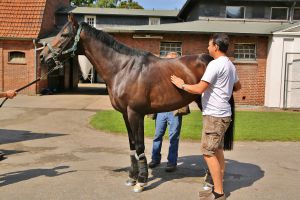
221	75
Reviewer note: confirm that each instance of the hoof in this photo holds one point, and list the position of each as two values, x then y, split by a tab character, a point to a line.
130	182
138	188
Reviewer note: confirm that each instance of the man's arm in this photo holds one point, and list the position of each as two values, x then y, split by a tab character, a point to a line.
198	88
9	94
237	86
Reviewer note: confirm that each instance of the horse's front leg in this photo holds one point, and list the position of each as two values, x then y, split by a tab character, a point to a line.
133	171
136	121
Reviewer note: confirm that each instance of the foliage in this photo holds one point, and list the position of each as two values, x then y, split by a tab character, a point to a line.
82	2
106	3
130	5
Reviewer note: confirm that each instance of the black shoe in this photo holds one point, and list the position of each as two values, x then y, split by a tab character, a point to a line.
153	164
170	168
1	155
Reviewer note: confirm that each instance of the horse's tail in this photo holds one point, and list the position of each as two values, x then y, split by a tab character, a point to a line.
229	135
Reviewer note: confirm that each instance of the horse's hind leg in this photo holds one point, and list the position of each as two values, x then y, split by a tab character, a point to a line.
136	121
133	171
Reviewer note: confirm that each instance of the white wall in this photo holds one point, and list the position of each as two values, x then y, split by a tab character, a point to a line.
275	72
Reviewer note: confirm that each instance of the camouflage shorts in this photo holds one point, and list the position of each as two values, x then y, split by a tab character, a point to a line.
213	132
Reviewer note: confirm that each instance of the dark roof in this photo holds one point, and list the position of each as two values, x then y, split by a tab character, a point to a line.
190	3
21	18
119	11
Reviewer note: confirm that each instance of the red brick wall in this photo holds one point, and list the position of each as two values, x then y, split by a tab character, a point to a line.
252	75
13	76
52	6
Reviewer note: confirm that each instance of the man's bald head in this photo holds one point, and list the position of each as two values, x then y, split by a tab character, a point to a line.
172	55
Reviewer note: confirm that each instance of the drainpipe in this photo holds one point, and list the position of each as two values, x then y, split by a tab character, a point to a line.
35	59
292	12
35	63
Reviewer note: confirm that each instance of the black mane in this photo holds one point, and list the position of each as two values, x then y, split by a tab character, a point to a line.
109	41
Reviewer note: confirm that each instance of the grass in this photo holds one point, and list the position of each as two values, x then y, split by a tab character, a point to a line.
250	125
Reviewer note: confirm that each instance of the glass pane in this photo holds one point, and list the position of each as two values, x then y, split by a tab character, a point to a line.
235	12
256	12
279	13
297	14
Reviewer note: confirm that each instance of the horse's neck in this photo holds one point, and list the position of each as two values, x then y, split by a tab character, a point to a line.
105	59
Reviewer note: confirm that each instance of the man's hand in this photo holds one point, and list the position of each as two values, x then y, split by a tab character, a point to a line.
177	81
10	94
237	86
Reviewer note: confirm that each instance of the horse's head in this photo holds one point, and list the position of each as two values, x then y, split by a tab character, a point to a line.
62	47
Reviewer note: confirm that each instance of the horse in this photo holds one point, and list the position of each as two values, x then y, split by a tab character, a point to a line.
138	82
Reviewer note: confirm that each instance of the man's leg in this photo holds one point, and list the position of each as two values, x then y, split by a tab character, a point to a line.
160	129
174	134
215	171
220	156
212	137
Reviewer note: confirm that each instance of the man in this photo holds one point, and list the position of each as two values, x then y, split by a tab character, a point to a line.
216	87
174	119
8	94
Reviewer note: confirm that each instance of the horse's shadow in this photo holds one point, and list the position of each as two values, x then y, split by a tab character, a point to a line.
19	176
238	174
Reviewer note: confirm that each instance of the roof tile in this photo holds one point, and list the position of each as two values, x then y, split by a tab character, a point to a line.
21	18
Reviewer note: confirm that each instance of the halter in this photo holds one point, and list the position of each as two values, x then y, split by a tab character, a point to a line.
56	54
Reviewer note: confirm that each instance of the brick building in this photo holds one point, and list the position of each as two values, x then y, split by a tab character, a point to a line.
250	25
22	22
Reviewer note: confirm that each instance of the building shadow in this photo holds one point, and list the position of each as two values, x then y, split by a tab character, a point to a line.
19	176
12	136
86	89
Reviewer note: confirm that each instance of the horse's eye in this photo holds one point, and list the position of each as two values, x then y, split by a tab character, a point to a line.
65	35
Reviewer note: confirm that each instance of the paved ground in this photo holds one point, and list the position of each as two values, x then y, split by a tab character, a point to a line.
54	154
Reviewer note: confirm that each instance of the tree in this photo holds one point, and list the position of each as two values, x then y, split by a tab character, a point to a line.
82	2
130	5
107	3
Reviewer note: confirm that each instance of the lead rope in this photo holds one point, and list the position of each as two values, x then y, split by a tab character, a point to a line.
58	66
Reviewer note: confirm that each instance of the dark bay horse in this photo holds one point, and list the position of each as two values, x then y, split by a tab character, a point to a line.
138	82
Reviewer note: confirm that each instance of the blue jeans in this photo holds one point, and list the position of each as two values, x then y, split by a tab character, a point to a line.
161	123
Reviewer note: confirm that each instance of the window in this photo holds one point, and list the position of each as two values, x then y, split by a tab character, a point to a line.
235	12
244	51
16	57
91	20
297	13
154	20
256	13
279	13
166	47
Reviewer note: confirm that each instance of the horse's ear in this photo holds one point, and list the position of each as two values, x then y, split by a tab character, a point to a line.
72	19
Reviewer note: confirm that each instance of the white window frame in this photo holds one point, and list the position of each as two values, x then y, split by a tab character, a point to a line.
236	18
246	59
294	13
287	14
180	52
90	16
156	18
